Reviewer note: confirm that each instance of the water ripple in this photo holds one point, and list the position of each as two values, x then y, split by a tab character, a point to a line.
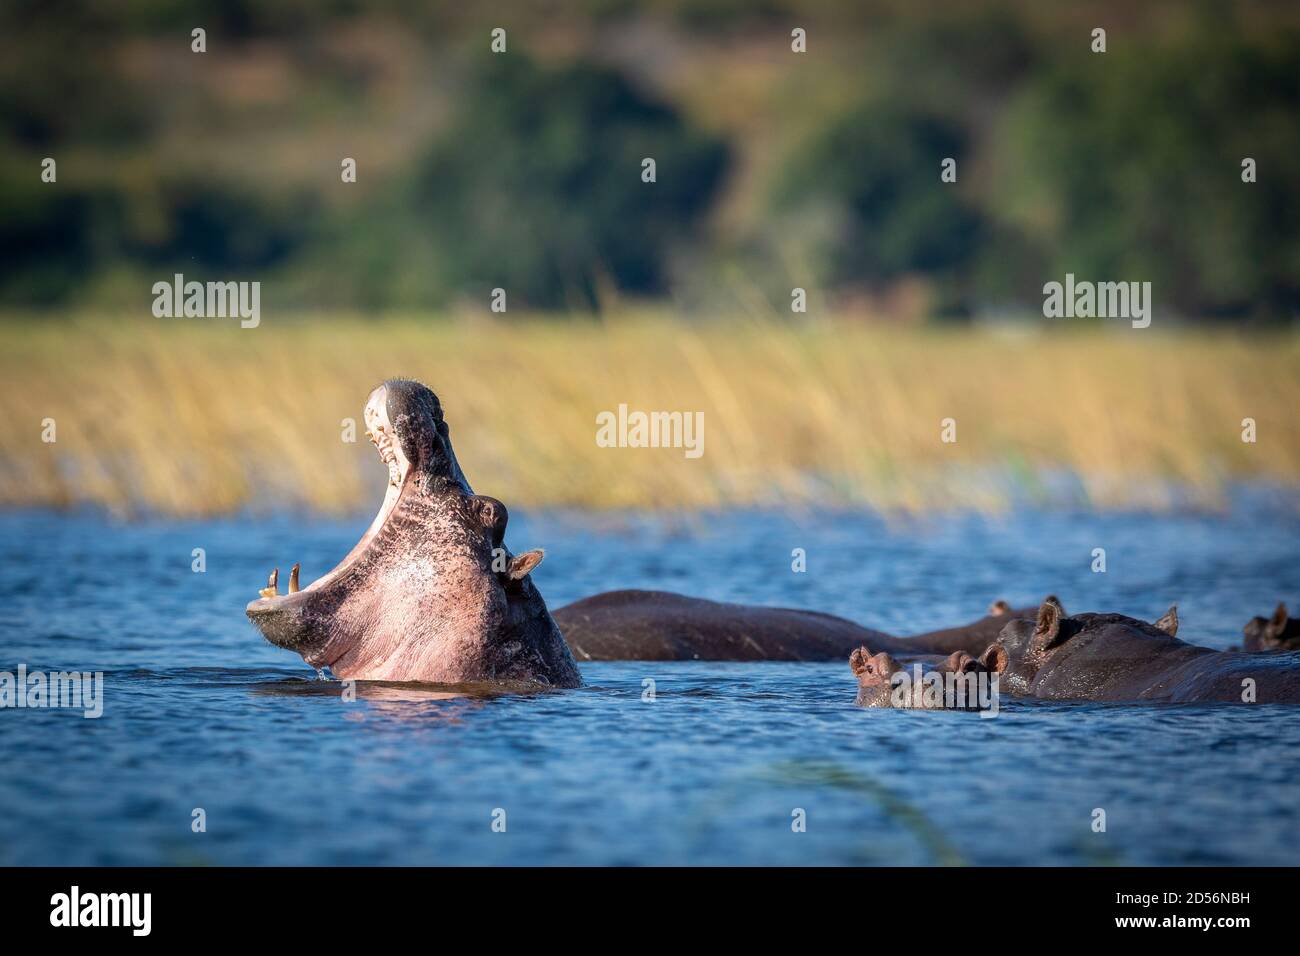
201	713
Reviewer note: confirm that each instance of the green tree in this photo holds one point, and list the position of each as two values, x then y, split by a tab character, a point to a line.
876	172
536	186
1127	166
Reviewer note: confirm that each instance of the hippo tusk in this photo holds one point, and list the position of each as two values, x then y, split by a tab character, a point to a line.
293	580
271	584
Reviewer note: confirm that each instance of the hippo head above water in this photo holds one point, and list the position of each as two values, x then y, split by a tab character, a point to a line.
950	683
1028	651
1277	633
430	592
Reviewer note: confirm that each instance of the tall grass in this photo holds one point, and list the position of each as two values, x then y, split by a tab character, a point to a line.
192	417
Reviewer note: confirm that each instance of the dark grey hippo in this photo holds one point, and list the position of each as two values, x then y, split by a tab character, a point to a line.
958	681
1276	633
1112	657
430	593
661	626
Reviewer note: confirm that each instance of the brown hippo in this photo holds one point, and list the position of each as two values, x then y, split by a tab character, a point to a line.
952	683
662	626
1117	658
430	592
1277	633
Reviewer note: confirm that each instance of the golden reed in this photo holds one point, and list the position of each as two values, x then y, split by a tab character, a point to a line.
198	416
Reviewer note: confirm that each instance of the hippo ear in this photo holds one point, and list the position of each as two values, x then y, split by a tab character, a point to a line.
521	564
959	662
885	664
1278	621
1169	623
1057	601
862	661
999	609
995	658
1047	631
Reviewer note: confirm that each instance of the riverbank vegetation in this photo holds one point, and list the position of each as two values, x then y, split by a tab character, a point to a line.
199	416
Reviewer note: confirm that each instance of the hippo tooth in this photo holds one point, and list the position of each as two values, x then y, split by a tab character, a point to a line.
271	584
293	580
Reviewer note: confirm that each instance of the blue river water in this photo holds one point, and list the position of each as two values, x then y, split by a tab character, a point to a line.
204	720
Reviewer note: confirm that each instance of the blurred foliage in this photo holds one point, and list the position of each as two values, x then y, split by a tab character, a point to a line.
875	170
535	186
522	171
1134	170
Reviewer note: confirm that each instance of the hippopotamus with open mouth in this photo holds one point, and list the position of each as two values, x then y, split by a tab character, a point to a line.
430	592
1117	658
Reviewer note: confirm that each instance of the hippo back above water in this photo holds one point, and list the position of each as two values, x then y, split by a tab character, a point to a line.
662	626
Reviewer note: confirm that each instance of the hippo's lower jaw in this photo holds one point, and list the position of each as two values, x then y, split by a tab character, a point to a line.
286	621
297	622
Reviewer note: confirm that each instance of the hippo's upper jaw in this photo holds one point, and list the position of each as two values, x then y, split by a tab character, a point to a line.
430	592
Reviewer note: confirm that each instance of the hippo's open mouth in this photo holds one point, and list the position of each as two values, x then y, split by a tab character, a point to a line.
430	593
276	615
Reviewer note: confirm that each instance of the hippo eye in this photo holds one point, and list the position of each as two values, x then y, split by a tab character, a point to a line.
870	669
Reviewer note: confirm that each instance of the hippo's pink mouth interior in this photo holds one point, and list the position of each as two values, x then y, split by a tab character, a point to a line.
380	432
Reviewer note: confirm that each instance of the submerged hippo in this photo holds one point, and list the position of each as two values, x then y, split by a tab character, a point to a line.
1114	657
661	626
430	592
951	683
1276	633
